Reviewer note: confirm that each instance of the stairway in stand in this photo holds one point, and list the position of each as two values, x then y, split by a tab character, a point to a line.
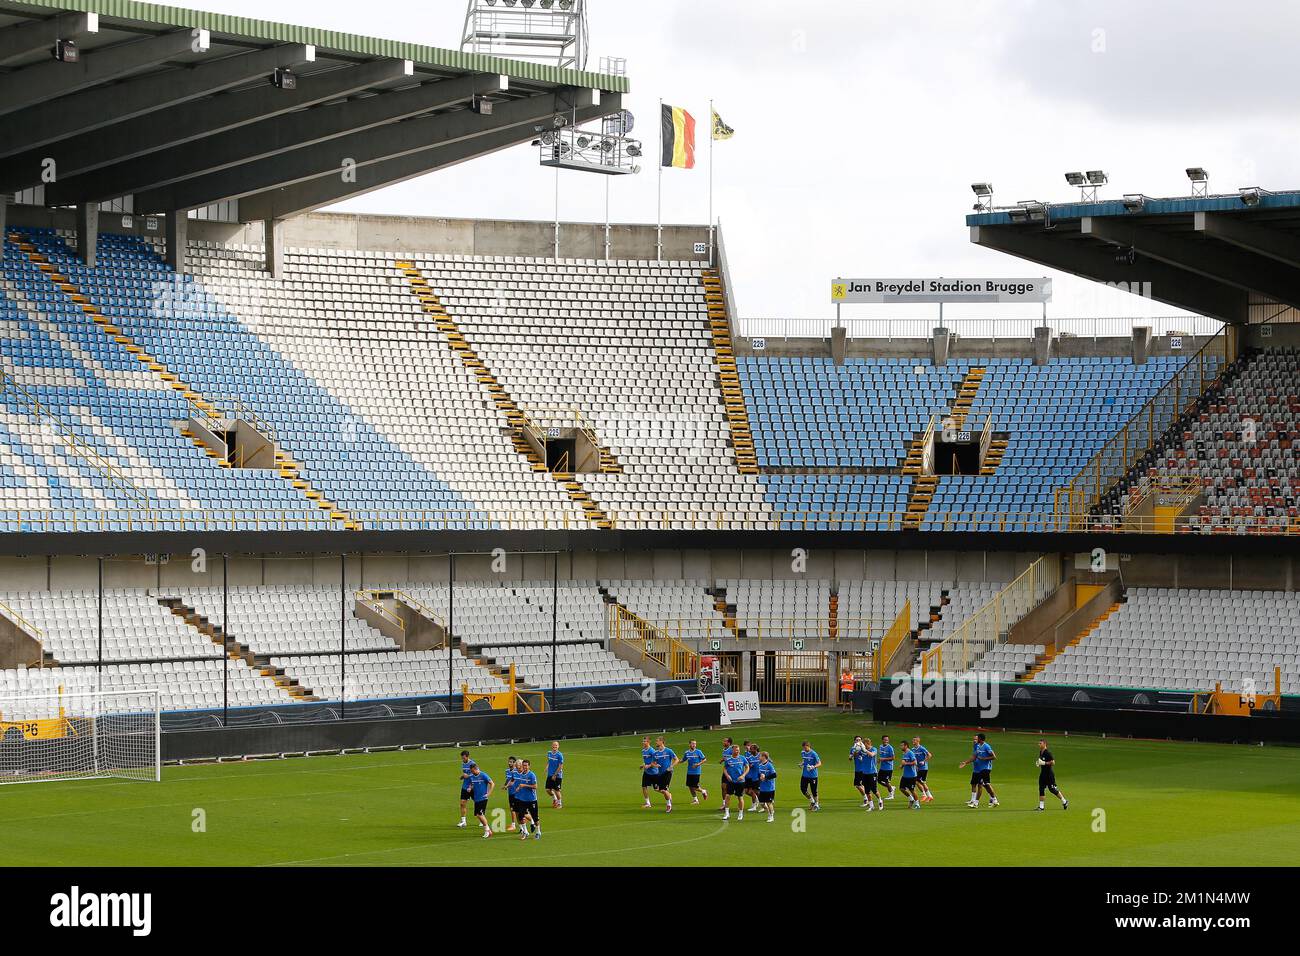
733	396
235	650
289	469
1051	653
506	405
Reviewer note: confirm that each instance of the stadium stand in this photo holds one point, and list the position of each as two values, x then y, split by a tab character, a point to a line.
1188	639
1236	444
856	421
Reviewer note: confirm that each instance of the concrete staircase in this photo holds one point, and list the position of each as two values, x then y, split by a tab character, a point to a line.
505	404
234	649
1051	653
733	396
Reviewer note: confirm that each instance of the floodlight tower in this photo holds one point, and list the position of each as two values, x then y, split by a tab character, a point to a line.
553	32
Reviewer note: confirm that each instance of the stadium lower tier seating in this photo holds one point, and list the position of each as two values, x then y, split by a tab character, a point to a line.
1168	639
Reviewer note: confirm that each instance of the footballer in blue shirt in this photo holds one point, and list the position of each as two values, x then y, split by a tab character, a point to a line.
811	763
982	756
555	775
767	784
734	770
870	769
885	757
481	787
649	771
908	783
695	760
923	758
861	760
466	791
526	797
665	759
751	756
512	771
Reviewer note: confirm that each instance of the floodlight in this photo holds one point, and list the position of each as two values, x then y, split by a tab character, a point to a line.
1018	214
1250	195
1097	178
566	4
548	138
584	141
1197	174
982	189
633	149
606	145
1076	179
1134	202
547	4
1033	209
559	120
509	3
527	3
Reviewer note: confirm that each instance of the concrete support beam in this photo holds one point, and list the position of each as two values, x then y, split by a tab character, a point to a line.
4	214
273	231
176	230
282	203
939	346
341	158
24	39
88	232
839	344
1043	345
1233	267
269	138
746	669
141	114
1165	283
1253	237
1141	344
46	81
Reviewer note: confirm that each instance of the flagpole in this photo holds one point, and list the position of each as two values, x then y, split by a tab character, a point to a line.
659	200
710	183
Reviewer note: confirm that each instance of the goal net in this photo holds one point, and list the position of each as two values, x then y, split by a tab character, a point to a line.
80	736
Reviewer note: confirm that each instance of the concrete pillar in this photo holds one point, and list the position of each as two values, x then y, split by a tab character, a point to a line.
839	344
1042	345
1141	344
4	214
273	239
746	668
176	229
942	338
87	231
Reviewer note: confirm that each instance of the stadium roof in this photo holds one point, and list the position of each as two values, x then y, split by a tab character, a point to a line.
1235	257
176	107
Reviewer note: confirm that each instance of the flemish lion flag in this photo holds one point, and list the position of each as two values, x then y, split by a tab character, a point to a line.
678	134
720	129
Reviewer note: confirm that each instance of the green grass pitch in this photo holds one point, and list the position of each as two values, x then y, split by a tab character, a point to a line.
1164	803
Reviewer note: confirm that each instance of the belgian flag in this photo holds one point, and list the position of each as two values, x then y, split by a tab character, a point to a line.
677	133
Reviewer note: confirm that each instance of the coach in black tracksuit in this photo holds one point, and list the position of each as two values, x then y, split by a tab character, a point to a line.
1047	776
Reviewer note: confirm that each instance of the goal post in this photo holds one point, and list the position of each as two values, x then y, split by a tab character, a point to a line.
80	736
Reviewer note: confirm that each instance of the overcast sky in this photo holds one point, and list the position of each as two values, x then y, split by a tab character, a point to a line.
861	125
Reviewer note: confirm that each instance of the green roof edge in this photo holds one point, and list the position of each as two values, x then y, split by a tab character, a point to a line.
269	31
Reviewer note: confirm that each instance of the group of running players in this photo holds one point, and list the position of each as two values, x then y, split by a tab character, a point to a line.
749	778
521	791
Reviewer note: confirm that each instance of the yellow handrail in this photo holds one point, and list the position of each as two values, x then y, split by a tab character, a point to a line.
989	625
245	519
22	622
68	436
653	644
892	640
370	600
